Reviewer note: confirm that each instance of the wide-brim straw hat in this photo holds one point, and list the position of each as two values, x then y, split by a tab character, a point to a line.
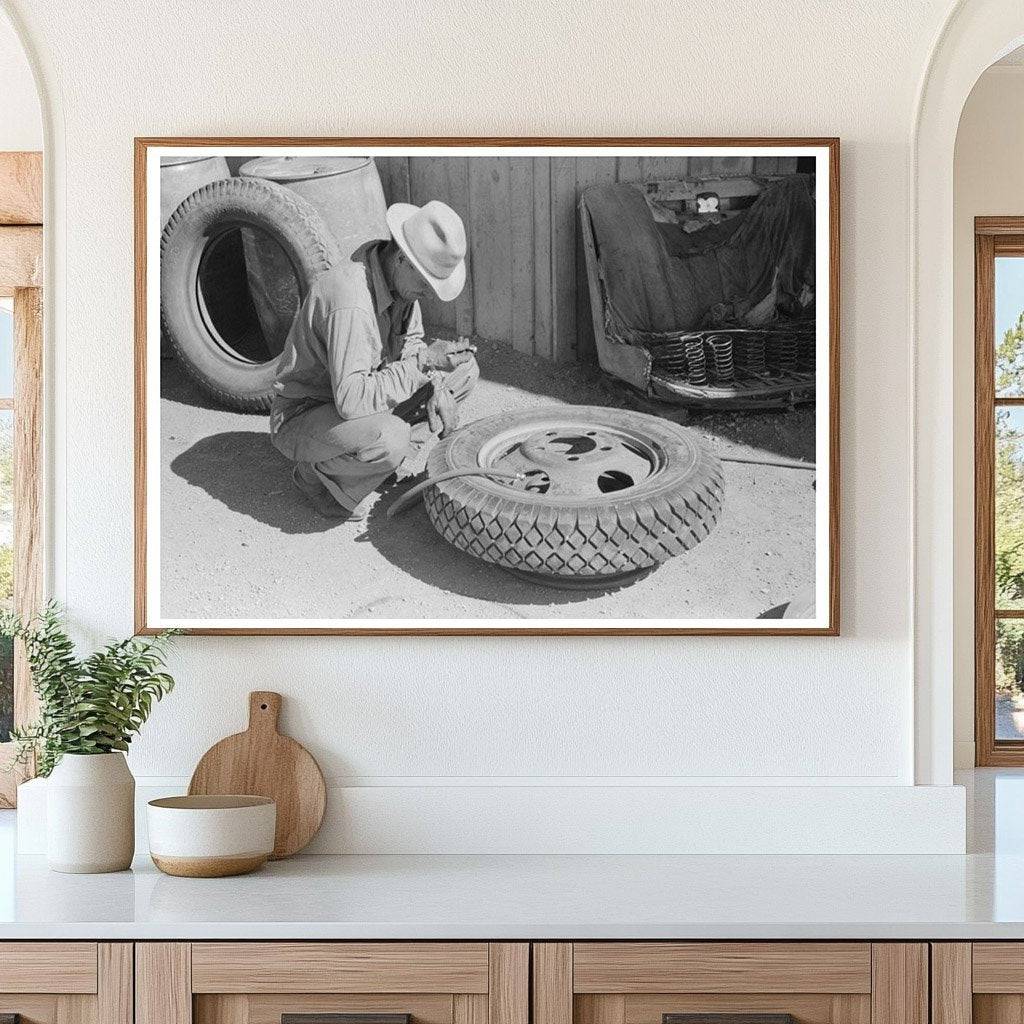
434	239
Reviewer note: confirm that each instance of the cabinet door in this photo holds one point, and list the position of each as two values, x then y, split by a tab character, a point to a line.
980	982
315	982
66	982
749	982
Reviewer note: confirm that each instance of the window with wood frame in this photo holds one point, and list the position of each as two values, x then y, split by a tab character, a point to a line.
999	490
21	352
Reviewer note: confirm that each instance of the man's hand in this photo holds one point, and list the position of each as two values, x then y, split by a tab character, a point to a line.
445	355
442	411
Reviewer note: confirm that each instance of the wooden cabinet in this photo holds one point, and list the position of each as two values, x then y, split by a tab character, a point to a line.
494	983
66	982
979	982
259	982
647	982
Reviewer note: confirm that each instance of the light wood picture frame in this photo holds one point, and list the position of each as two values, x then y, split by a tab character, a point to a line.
570	323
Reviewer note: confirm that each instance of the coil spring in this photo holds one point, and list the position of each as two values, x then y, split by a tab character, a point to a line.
754	354
696	361
721	354
784	350
671	358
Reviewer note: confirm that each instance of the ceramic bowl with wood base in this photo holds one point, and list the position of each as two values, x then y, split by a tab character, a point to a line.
211	836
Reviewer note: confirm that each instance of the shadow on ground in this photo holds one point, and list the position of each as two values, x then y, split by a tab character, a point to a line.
242	470
409	542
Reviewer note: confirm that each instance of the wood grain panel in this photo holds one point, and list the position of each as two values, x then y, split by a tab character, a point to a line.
998	967
469	1008
599	1009
21	258
163	983
115	984
984	503
806	1008
899	983
722	967
339	967
76	1009
508	994
997	1009
491	246
563	258
33	1009
445	179
552	983
21	188
851	1009
394	178
521	271
48	967
766	164
261	1008
228	1009
629	168
543	327
27	500
28	482
951	983
654	167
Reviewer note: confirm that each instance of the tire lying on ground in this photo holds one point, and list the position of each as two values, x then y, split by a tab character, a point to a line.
606	492
232	361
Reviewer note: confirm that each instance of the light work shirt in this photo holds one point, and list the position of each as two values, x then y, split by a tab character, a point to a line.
353	343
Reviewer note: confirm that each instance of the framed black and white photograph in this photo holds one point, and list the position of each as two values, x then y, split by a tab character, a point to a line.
513	386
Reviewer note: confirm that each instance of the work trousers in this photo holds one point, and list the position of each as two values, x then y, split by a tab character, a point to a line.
355	456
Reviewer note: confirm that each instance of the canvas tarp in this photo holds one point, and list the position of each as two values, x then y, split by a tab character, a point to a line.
661	277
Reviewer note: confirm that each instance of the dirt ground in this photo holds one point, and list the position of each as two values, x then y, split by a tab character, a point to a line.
239	542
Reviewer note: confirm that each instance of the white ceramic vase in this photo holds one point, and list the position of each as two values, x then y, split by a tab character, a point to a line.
90	814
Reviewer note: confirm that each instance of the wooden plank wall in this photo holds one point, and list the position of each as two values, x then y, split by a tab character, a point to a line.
527	284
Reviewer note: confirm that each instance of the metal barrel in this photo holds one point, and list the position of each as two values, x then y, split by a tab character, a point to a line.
347	193
180	176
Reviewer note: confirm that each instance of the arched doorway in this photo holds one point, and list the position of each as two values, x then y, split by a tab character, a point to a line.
975	35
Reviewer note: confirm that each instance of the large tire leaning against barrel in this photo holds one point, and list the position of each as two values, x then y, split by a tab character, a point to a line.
568	537
204	216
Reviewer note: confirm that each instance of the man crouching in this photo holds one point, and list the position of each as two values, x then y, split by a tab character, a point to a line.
357	375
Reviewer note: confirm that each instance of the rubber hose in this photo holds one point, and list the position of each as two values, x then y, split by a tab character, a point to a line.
781	463
414	494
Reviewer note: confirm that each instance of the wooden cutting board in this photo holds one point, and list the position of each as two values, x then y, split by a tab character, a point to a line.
262	762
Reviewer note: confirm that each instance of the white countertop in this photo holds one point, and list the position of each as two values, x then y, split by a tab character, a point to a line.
977	896
532	897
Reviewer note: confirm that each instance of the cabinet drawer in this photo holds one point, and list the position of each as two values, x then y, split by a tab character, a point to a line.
629	967
66	982
261	982
48	967
340	967
749	982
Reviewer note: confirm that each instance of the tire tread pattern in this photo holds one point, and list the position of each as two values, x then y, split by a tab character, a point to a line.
234	198
618	533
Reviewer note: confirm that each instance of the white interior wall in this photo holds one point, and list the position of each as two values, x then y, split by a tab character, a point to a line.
432	716
988	181
21	125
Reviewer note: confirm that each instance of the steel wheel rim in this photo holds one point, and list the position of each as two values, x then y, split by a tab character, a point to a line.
562	458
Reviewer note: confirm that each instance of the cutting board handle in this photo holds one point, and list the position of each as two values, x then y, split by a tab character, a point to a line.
264	710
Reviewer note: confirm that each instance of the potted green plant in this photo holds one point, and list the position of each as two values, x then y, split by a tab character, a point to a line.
89	710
